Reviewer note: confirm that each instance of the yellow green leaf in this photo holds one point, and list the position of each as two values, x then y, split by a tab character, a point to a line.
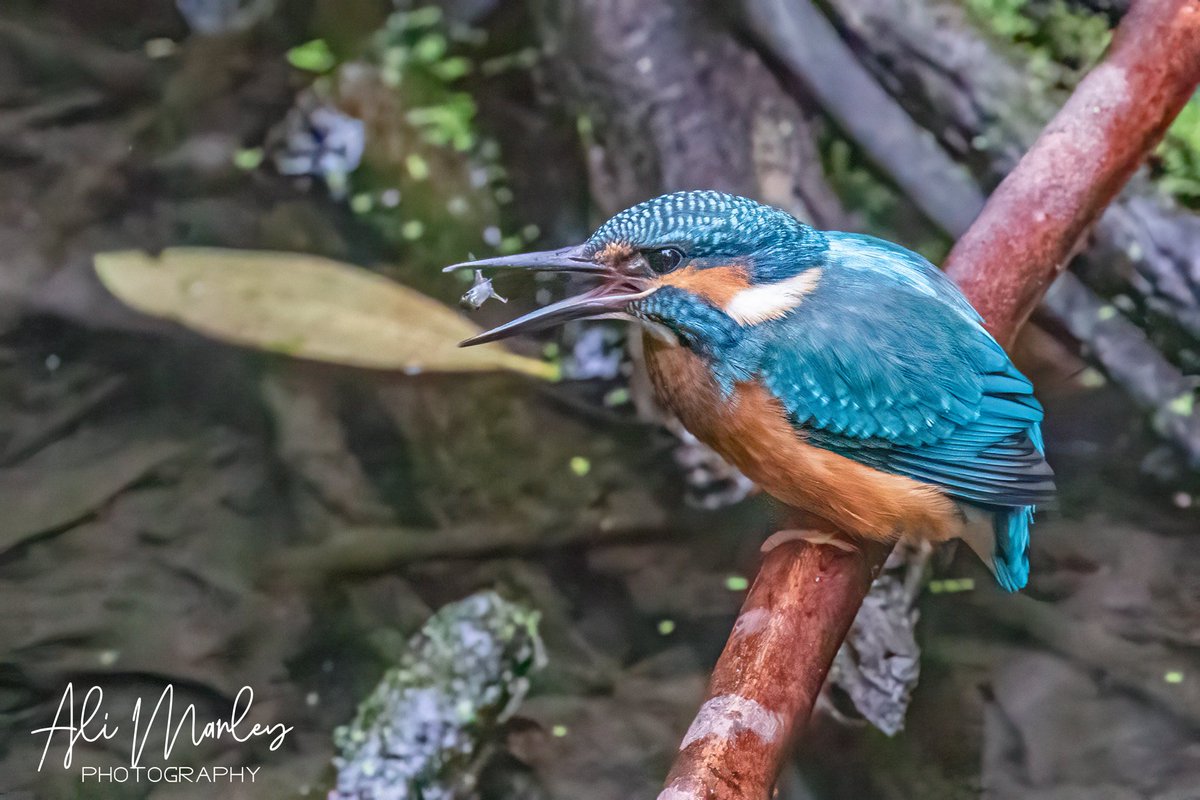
736	583
314	56
304	306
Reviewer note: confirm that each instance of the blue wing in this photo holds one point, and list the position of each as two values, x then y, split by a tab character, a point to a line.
887	363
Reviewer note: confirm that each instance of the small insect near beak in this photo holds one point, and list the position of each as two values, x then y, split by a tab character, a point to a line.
610	298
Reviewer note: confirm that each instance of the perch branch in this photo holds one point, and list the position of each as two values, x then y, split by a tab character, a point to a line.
1037	216
804	598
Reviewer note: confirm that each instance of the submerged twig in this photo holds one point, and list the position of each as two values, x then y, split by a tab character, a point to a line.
1133	361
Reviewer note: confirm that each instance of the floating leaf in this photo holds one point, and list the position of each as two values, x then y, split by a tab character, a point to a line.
303	306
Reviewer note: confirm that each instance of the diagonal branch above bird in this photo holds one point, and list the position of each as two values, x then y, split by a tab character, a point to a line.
844	374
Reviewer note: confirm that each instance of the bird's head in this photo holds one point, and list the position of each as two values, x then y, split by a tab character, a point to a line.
688	265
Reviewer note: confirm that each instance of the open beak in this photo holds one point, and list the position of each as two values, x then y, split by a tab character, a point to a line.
611	297
564	259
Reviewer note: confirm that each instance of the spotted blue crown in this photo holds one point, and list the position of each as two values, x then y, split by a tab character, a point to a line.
708	224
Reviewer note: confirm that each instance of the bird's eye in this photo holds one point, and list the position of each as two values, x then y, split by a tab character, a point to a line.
663	260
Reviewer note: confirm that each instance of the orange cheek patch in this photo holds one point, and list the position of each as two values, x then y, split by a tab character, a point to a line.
717	285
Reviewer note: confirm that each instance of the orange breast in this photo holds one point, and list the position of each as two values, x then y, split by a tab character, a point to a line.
750	430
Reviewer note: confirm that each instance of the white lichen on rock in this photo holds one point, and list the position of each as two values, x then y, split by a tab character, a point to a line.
420	731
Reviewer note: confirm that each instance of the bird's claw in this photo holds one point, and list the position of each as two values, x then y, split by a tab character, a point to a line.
811	536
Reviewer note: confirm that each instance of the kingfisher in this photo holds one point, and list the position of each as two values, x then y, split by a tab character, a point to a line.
846	375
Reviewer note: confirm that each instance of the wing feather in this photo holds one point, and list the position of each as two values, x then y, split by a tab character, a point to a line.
907	381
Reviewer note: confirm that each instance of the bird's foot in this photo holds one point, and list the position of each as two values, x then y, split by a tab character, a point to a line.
810	536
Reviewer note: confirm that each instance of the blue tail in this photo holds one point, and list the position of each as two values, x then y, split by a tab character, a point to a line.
1011	556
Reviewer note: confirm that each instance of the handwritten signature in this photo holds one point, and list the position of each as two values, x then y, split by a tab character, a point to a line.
89	722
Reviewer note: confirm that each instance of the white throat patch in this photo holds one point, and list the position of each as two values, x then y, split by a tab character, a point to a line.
771	300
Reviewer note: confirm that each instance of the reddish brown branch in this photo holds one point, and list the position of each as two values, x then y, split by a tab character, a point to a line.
805	598
797	613
1032	223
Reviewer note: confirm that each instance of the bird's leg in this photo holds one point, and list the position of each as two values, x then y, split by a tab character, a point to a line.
816	537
